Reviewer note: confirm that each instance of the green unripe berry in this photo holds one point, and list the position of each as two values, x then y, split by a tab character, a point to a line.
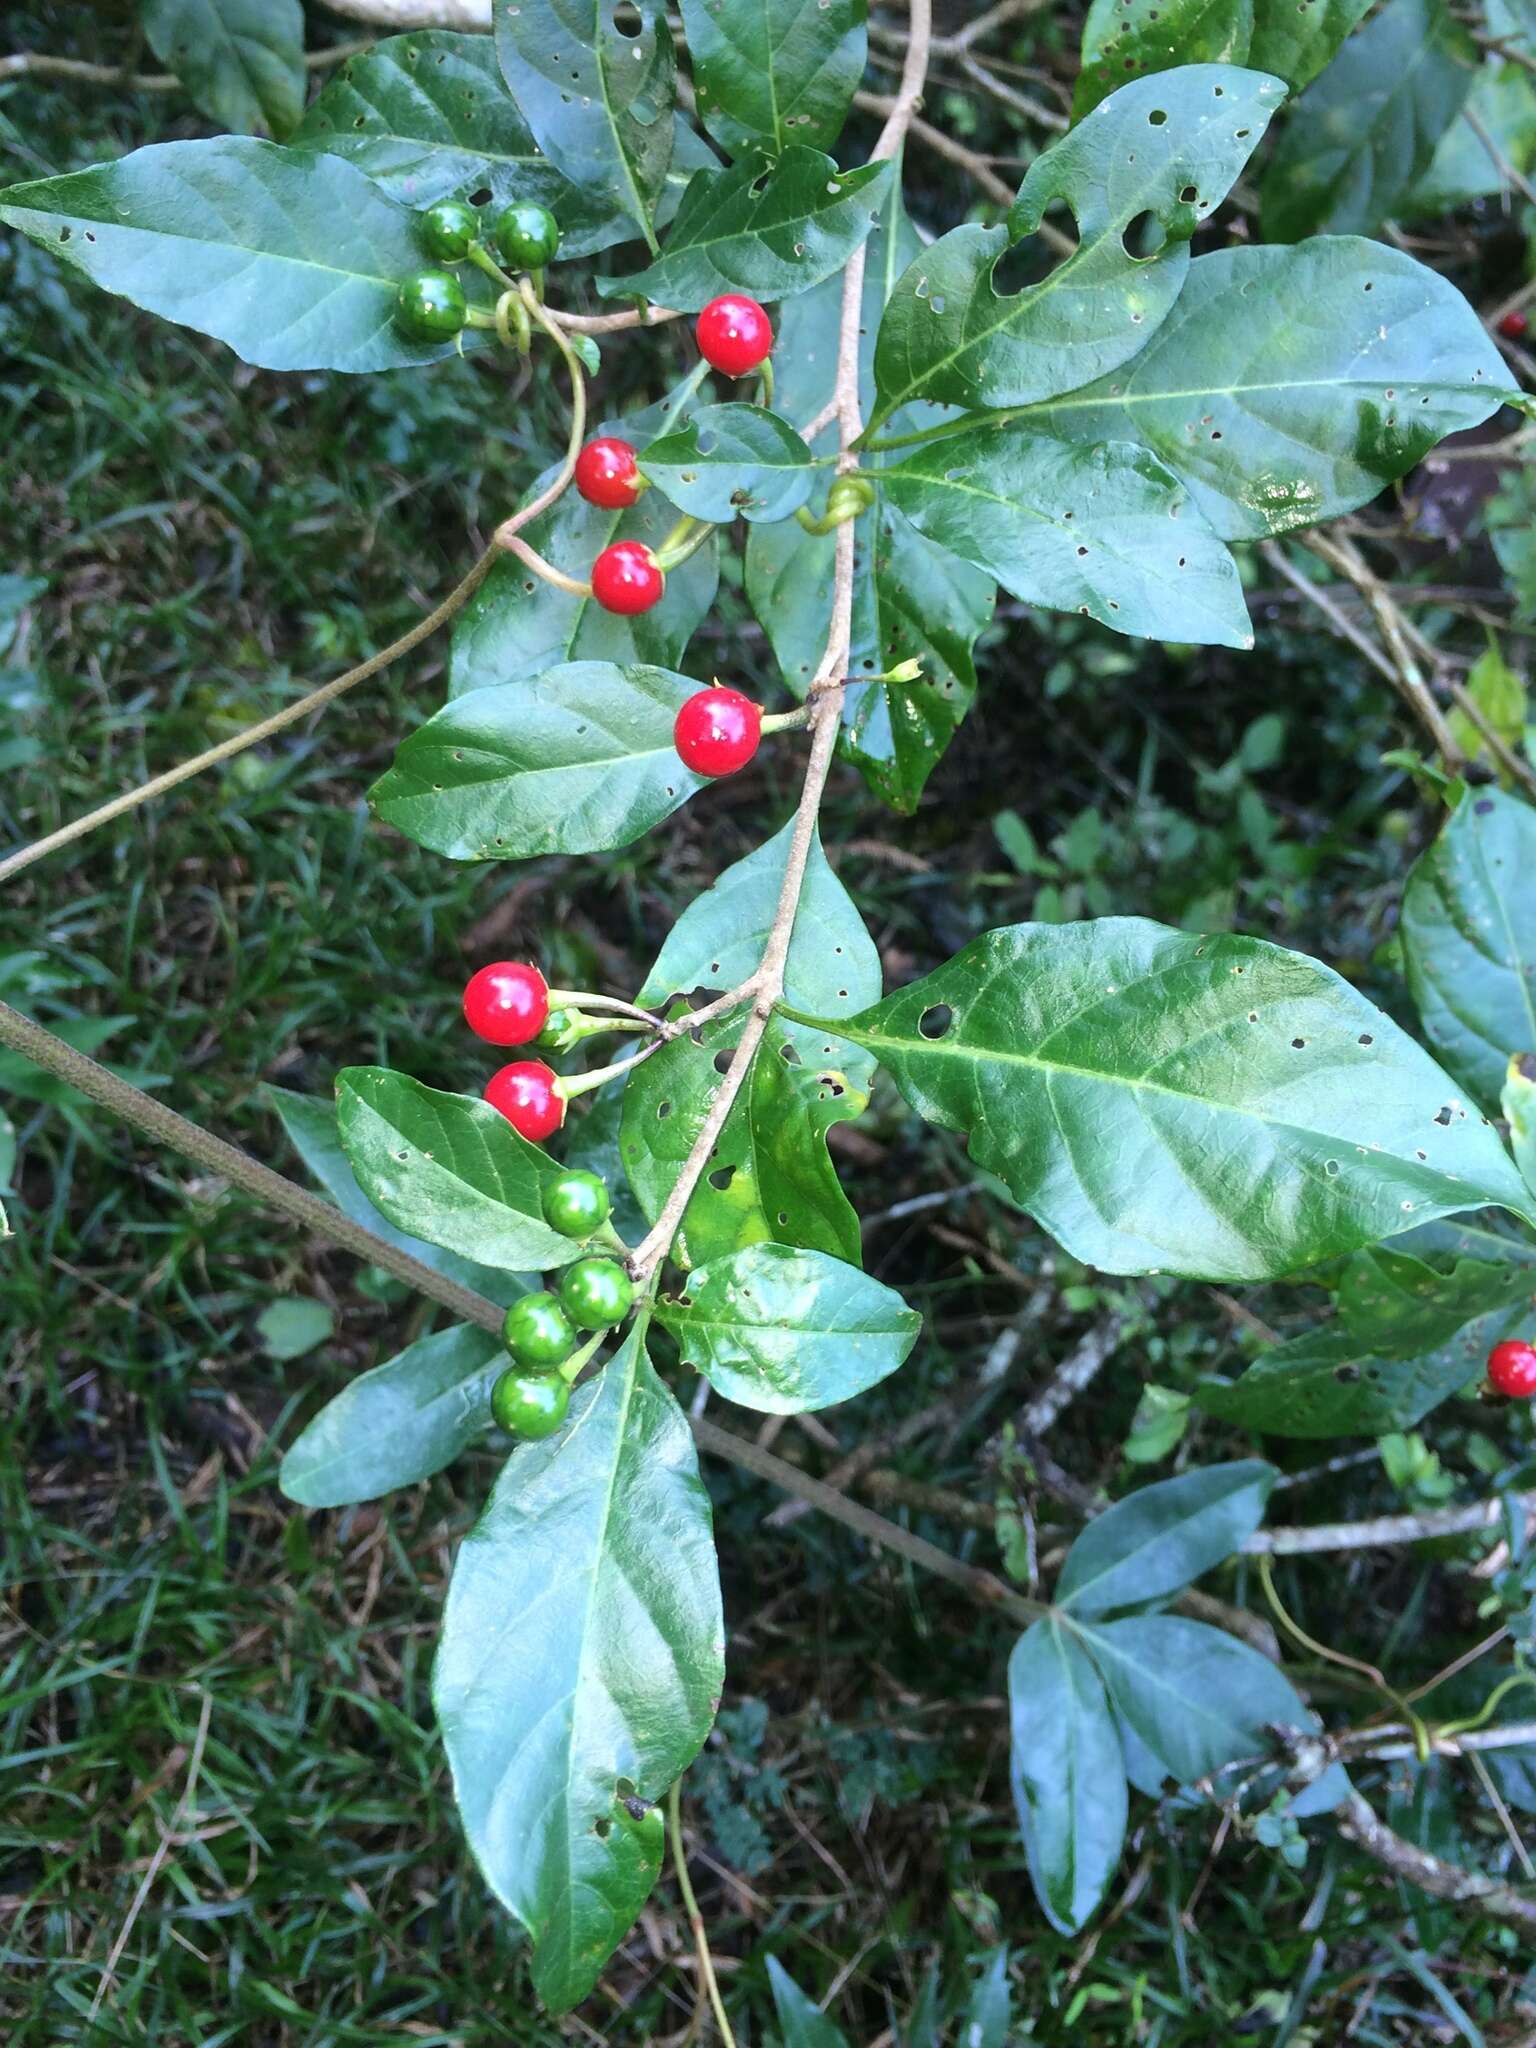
450	230
538	1332
431	305
527	235
530	1404
597	1293
576	1204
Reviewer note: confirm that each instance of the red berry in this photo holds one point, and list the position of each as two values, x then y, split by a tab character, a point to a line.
625	578
527	1097
1512	1370
717	731
1514	324
507	1003
607	475
734	334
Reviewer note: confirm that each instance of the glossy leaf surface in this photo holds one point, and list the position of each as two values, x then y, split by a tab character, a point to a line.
730	461
773	73
1163	1102
242	61
783	1330
1290	385
768	233
598	100
1155	1541
577	760
397	1424
1469	939
1106	531
294	260
581	1658
450	1169
1166	147
1364	134
1068	1774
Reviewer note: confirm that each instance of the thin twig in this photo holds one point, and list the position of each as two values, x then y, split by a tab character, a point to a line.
976	168
711	1983
1360	1824
1386	1532
39	64
1076	1371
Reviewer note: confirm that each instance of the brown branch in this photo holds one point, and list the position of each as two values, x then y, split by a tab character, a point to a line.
1359	1823
39	64
825	696
1076	1371
976	168
1385	1532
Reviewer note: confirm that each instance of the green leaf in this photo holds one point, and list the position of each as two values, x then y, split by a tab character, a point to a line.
1296	42
449	1168
581	1660
294	260
598	100
782	1331
1121	37
989	2014
1518	1102
1157	1540
1291	385
949	334
1397	1306
1464	168
772	1177
242	61
516	624
802	2024
577	760
1106	531
768	232
1360	139
311	1128
771	76
1325	1383
290	1327
1162	1102
1499	693
397	1424
1469	940
1197	1697
428	117
911	599
730	461
1068	1774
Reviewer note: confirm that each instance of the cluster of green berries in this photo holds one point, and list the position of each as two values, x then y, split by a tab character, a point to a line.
431	304
542	1330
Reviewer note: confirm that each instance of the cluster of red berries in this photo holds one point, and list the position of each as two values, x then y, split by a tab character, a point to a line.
507	1003
1512	1370
735	337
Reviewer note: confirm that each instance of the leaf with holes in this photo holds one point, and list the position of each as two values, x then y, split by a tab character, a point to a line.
730	461
1296	42
783	1330
769	75
1196	1696
1290	385
1125	37
770	1176
294	260
399	1423
1150	162
769	232
450	1169
310	1125
1068	1772
577	760
911	599
1326	1383
516	624
1156	1540
1398	1306
242	61
598	98
1162	1102
1105	531
428	117
580	1666
1361	138
1469	939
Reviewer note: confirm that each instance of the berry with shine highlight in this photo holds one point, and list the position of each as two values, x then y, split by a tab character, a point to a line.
625	578
596	1293
607	473
528	1097
1512	1370
734	334
576	1203
431	306
507	1003
530	1404
717	731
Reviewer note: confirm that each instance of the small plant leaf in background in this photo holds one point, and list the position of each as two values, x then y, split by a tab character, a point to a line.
293	1326
1519	1105
802	2023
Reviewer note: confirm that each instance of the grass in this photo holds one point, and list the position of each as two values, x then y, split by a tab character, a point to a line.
214	540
